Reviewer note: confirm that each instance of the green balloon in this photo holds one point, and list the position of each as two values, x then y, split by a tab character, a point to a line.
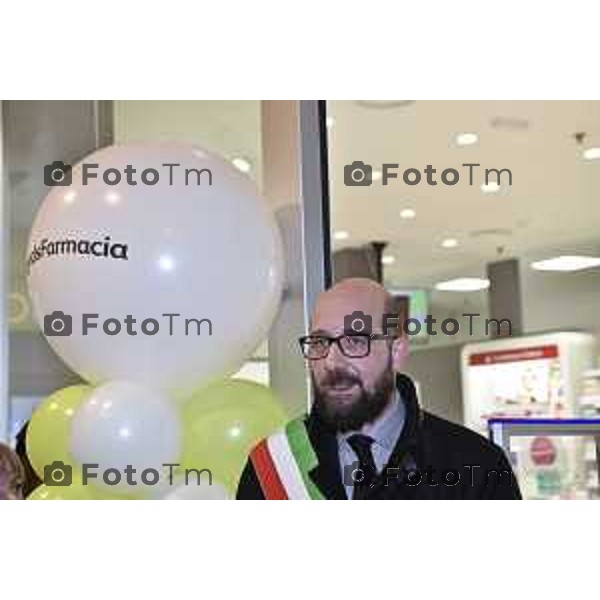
75	491
49	431
67	492
96	493
223	422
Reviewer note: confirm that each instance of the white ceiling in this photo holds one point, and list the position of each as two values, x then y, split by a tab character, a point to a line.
553	205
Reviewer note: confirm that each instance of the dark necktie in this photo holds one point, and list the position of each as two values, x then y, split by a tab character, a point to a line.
361	444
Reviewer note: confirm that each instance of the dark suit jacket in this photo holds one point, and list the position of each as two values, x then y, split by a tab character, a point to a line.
428	457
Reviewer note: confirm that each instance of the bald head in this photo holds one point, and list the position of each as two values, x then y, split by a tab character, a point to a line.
346	297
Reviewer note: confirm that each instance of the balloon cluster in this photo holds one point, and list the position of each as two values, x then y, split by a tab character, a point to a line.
155	291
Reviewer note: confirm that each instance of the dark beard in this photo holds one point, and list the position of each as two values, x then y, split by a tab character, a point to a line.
365	409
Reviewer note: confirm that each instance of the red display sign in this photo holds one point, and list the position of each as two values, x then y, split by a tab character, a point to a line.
513	355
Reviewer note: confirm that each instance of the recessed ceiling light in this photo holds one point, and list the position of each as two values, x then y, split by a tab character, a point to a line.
491	187
591	154
449	243
388	259
408	213
376	175
466	139
242	164
566	263
463	284
329	121
340	235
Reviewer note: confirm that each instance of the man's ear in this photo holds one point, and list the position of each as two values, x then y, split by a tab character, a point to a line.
400	352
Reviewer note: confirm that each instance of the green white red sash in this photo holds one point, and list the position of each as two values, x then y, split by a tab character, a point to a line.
282	463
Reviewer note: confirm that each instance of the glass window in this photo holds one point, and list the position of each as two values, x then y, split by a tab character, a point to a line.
477	208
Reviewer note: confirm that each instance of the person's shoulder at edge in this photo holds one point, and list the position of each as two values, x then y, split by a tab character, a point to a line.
464	447
457	438
12	474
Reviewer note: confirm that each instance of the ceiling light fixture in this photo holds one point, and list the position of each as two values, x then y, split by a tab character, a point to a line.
450	243
340	235
408	213
466	139
591	153
566	263
491	187
241	164
463	284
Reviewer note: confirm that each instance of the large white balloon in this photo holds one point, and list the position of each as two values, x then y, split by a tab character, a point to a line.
123	424
196	251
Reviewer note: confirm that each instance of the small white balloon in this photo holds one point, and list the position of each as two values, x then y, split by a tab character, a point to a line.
122	426
181	272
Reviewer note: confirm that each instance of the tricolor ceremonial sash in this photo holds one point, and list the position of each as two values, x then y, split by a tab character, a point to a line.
282	463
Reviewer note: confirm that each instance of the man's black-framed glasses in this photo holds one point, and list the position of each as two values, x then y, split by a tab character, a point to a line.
351	345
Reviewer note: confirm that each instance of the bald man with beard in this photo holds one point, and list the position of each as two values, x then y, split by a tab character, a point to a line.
366	437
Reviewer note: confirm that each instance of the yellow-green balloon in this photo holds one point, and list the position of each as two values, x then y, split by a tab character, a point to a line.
98	494
48	433
68	492
75	491
222	423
